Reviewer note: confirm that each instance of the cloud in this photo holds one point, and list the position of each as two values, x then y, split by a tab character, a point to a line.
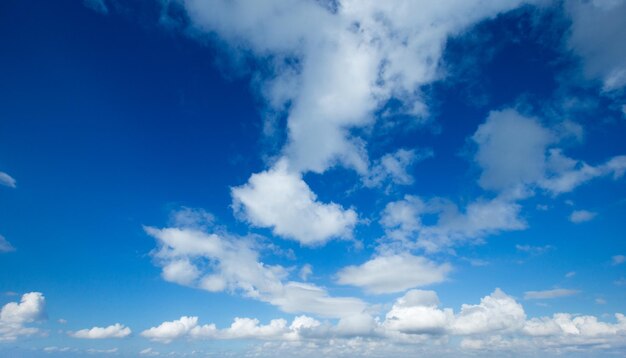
7	180
280	199
241	328
596	32
97	6
580	216
403	223
113	331
14	316
618	260
222	262
497	312
416	313
534	250
549	294
393	273
516	154
393	167
5	246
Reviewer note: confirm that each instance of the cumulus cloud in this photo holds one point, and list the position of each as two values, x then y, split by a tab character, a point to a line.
580	216
241	328
596	36
7	180
393	273
14	316
113	331
548	294
222	262
280	199
402	221
516	154
5	246
417	312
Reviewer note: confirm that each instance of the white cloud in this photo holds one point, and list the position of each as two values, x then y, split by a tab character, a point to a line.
580	216
618	260
534	250
113	331
241	328
335	68
393	273
393	167
548	294
7	180
5	246
14	316
596	36
305	272
280	199
402	221
222	262
497	312
570	274
417	313
516	154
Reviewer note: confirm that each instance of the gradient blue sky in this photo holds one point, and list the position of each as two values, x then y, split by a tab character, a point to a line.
295	178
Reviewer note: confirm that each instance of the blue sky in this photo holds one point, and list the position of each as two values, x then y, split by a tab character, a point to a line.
306	178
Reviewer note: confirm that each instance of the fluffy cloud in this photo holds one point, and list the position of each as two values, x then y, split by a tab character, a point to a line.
14	316
497	312
517	153
580	216
393	273
403	221
7	180
367	53
113	331
5	246
221	262
280	199
597	27
547	294
417	313
241	328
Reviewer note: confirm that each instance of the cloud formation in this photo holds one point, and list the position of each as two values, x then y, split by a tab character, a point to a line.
113	331
7	180
15	316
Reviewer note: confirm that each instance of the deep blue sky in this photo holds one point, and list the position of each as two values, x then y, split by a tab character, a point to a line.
119	120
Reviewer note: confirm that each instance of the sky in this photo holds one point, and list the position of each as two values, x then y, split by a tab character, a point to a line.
312	178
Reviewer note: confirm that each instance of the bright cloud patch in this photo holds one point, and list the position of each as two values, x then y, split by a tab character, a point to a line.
281	200
393	273
7	180
14	316
113	331
223	262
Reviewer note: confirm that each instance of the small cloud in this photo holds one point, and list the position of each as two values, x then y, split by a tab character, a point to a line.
542	207
114	331
580	216
62	321
618	260
600	301
7	180
549	294
5	246
570	274
305	272
148	352
534	250
97	6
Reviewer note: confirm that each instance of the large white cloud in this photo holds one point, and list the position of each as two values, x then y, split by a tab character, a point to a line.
14	316
113	331
393	273
280	199
191	256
